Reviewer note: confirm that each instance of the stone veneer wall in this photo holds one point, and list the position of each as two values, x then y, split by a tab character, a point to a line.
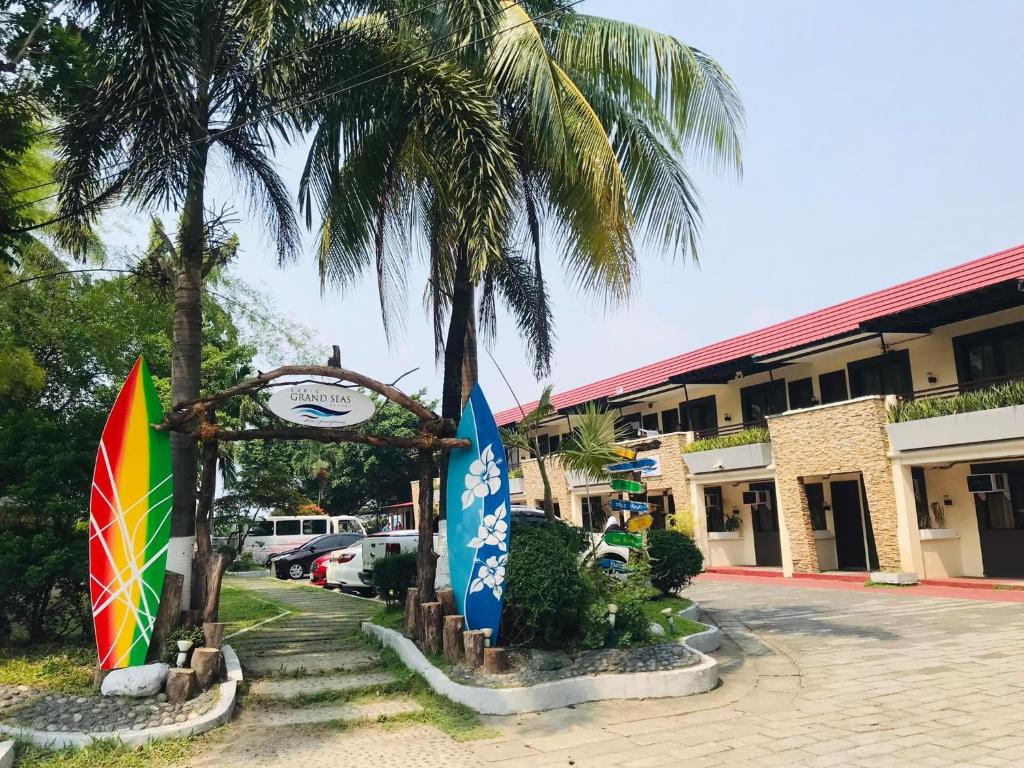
828	440
533	486
674	476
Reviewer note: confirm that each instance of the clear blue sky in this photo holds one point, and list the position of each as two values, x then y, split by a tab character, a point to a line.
884	141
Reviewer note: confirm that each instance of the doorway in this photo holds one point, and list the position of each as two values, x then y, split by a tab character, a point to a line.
1001	523
850	514
767	546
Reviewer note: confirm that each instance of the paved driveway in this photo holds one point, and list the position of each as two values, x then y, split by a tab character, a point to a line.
825	678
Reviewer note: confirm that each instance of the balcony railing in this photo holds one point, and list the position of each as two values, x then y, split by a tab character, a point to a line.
729	429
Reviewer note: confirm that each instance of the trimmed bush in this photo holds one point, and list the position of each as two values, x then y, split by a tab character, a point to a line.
675	560
998	396
746	437
393	575
546	595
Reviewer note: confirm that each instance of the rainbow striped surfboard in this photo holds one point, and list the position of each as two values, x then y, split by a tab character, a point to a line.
129	523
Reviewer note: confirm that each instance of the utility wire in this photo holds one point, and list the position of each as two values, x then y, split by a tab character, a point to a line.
328	94
218	81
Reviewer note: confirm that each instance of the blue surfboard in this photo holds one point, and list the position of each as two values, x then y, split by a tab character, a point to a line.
479	517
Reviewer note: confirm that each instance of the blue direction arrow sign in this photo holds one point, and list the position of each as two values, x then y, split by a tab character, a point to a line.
623	505
631	466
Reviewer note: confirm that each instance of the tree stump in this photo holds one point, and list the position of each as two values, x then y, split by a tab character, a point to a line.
473	642
412	614
181	684
213	634
447	599
206	665
495	660
452	644
430	617
167	615
97	678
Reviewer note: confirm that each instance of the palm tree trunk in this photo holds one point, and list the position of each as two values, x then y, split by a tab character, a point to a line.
549	503
186	362
470	364
426	560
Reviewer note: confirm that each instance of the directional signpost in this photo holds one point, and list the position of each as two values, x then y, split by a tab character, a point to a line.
639	465
625	505
641	523
623	539
627	486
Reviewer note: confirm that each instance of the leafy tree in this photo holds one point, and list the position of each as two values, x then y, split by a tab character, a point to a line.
589	447
523	437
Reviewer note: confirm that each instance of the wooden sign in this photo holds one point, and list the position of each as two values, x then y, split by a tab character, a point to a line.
627	486
624	505
623	539
641	523
632	466
624	453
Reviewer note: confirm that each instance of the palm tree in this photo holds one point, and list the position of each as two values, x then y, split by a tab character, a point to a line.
590	446
523	438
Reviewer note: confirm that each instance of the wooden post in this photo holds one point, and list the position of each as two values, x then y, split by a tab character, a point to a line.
167	615
426	560
206	664
181	684
213	634
495	660
453	638
412	614
446	597
430	617
473	642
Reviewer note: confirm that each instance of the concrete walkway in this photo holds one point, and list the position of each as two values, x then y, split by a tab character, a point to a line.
812	677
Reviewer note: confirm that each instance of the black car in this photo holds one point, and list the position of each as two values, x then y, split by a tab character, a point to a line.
295	563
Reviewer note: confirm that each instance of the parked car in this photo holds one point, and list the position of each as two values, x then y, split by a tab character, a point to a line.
345	570
271	537
295	564
318	570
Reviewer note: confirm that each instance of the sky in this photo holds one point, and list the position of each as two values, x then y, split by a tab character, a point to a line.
883	142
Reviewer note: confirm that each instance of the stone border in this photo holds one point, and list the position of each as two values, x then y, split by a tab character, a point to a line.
6	754
557	693
218	714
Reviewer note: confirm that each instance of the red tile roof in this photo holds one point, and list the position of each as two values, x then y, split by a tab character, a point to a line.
813	327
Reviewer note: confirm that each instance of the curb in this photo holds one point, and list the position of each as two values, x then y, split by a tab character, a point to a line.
6	754
219	714
558	693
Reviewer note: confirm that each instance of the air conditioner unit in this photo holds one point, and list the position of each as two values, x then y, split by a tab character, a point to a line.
753	498
992	482
647	433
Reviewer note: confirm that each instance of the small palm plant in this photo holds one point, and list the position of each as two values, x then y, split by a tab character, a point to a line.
592	445
524	439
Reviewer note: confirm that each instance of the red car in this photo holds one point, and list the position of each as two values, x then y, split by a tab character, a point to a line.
318	571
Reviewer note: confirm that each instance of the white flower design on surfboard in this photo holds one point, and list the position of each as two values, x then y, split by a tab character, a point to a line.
483	478
491	574
492	530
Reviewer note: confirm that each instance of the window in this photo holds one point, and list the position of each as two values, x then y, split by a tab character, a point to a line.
698	415
593	515
670	421
713	509
993	354
262	528
548	443
314	527
628	425
833	387
762	400
801	393
816	503
887	374
287	528
650	421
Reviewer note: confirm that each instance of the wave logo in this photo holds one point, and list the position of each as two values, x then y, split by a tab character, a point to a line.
312	412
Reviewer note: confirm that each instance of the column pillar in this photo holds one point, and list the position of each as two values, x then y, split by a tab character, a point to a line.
907	534
700	522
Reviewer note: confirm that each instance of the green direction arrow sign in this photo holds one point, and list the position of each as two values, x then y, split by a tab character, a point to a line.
627	486
623	539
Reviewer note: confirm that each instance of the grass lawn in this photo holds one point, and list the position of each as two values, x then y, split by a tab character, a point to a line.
67	669
654	609
240	609
106	754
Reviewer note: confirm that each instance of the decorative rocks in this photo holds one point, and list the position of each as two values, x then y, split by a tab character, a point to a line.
657	629
143	681
15	695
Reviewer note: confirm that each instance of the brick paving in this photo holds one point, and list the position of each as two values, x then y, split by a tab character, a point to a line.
816	678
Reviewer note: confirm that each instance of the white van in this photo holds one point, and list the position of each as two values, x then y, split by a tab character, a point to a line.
273	535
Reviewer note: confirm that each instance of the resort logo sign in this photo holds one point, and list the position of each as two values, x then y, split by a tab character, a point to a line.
321	405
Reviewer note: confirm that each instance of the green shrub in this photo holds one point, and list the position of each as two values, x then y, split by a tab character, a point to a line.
393	575
675	560
632	596
746	437
193	634
998	396
546	595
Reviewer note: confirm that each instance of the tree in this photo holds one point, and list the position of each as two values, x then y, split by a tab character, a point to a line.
523	438
590	446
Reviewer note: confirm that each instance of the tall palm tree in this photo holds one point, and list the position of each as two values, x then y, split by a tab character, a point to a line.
599	116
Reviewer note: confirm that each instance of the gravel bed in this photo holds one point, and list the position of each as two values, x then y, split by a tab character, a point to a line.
530	668
102	714
12	696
